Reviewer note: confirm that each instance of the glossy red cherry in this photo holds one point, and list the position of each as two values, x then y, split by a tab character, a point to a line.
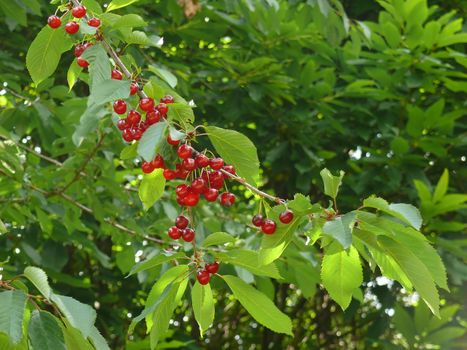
127	135
146	104
137	133
120	107
258	220
133	88
78	11
227	199
217	184
174	232
172	142
80	48
230	169
72	27
216	163
158	162
122	124
162	108
133	117
202	160
82	62
181	222
182	190
116	74
94	22
167	99
211	194
198	185
191	199
203	277
189	164
268	227
147	167
216	176
54	22
286	216
181	173
212	268
169	174
188	235
184	151
152	117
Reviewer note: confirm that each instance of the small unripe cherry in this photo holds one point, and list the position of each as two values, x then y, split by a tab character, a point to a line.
181	222
147	167
169	174
211	194
78	11
216	163
94	22
162	108
198	185
54	22
191	199
146	104
174	232
203	277
227	199
133	117
116	74
152	117
268	227
133	88
230	169
120	107
185	151
172	142
258	220
189	164
286	216
158	162
181	190
188	235
212	268
122	124
72	27
127	135
202	160
82	62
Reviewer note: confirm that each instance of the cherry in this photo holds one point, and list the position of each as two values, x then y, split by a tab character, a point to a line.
172	142
82	62
94	22
181	222
120	107
216	163
184	151
203	277
182	190
258	220
167	99
227	199
230	169
152	117
133	88
189	164
137	133
174	232
169	174
191	199
188	235
116	74
181	201
211	194
122	124
72	27
216	176
147	167
80	48
162	107
217	184
268	227
54	22
181	173
133	117
158	162
79	11
202	160
127	135
146	104
212	268
286	216
198	185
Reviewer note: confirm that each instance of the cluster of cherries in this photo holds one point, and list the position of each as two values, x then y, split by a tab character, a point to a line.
269	226
72	27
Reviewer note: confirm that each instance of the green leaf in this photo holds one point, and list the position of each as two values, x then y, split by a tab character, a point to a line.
341	274
404	324
39	278
73	74
341	229
116	4
98	340
331	182
423	191
129	152
165	75
218	238
182	114
405	212
260	307
3	228
108	91
88	122
99	66
45	332
236	149
13	10
155	261
151	188
441	187
80	316
12	306
152	140
74	340
203	306
92	5
131	20
45	52
248	259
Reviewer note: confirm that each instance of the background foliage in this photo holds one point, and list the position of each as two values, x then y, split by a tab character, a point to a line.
376	89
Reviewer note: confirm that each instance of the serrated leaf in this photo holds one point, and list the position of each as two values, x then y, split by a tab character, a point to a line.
259	306
151	188
131	20
203	306
98	340
39	278
182	114
155	261
405	212
99	66
236	149
151	141
74	340
248	259
108	91
12	306
45	332
116	4
341	229
331	182
218	238
165	75
129	152
88	122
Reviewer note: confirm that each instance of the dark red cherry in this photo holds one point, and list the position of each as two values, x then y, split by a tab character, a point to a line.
94	22
127	135
116	74
211	194
158	162
175	233
167	99
162	108
188	235
227	199
189	164
82	62
133	88
202	160
185	151
172	142
191	199
268	227
146	104
286	216
54	22
133	117
181	222
203	277
198	185
169	174
258	220
147	167
212	268
181	190
78	11
216	163
120	107
122	124
72	27
152	117
230	169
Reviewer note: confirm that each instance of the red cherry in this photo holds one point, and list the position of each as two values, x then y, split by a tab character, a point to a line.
174	232
122	124
203	277
189	164
230	169
158	162
82	62
188	235
116	74
137	133
191	199
212	268
133	88
133	117
172	142
217	184
227	199
181	173
120	107
216	163
181	201
54	22
268	227
202	160
216	176
79	11
167	99
162	108
147	167
152	117
286	216
181	190
198	185
258	220
169	174
211	194
72	27
127	135
80	48
184	151
94	22
181	222
146	104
